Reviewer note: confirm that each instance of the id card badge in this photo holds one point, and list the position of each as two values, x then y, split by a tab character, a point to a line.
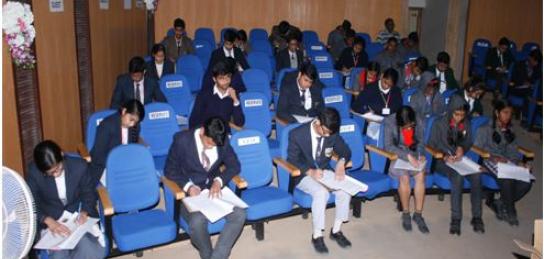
386	111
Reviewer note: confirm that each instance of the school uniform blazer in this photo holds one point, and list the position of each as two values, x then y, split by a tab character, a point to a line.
476	107
484	139
289	102
283	59
439	136
108	136
299	150
169	43
418	102
236	82
79	189
124	91
219	55
451	83
370	99
394	142
151	69
346	59
492	60
183	162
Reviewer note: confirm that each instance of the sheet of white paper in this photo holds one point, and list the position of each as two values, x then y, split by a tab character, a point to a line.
217	208
58	242
511	171
373	130
302	119
465	166
370	116
228	196
349	185
405	165
182	120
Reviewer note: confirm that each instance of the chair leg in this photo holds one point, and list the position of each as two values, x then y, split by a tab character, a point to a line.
441	195
139	254
357	207
259	231
305	214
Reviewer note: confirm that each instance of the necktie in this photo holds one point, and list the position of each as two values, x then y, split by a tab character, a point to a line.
318	149
137	92
303	97
293	61
179	46
205	160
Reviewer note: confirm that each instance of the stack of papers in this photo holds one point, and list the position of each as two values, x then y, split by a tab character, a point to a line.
303	119
405	165
465	166
216	208
349	184
50	241
511	171
370	116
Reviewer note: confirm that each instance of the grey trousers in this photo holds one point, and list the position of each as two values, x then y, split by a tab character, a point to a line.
87	248
198	224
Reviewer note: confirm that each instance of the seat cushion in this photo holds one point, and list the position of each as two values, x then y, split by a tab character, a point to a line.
266	202
377	182
304	200
216	227
443	182
428	182
490	182
143	229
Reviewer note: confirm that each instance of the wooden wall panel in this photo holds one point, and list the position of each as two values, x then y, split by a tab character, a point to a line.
520	21
57	74
11	139
319	15
116	36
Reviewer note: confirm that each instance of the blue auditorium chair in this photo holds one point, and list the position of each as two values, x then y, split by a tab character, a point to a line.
203	50
205	34
191	67
176	89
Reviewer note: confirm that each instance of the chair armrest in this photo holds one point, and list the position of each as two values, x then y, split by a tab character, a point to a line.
539	103
239	181
280	121
105	200
352	92
83	152
234	126
293	170
480	151
379	151
526	152
335	157
174	188
435	153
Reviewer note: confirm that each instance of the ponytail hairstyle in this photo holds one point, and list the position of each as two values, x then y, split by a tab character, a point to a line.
509	136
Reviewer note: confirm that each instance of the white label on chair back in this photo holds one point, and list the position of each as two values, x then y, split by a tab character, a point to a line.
321	58
482	44
199	46
447	100
347	128
253	102
534	47
174	84
325	75
410	97
159	115
249	141
99	121
334	99
317	47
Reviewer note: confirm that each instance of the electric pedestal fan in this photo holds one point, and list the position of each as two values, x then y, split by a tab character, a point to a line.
18	215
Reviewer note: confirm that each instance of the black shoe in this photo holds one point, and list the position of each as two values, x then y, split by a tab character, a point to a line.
418	219
406	221
512	218
340	239
477	225
455	227
498	208
319	245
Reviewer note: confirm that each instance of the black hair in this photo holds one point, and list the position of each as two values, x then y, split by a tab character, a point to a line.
373	66
134	107
393	39
295	35
47	154
309	70
504	41
229	35
392	74
330	118
283	27
350	33
179	23
536	55
136	65
413	37
422	63
475	83
406	115
221	68
388	20
158	47
216	129
443	57
241	35
346	25
509	136
359	40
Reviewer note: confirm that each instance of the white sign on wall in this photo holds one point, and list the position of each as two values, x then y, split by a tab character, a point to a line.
56	6
127	4
104	4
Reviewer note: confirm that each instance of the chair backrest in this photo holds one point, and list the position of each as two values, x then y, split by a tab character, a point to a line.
407	95
329	77
373	49
251	147
205	34
131	179
92	124
176	89
282	74
322	59
258	34
351	133
479	52
191	67
527	48
257	80
256	112
203	49
337	98
158	127
447	95
354	76
365	36
148	58
283	178
476	123
262	46
170	32
314	48
309	37
261	61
